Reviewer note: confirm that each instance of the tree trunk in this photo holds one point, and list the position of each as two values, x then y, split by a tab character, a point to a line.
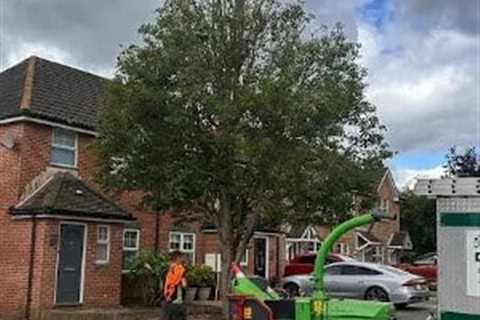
225	279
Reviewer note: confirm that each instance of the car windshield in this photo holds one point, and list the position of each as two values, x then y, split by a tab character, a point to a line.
392	270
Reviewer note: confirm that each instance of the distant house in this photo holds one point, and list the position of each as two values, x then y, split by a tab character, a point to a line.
64	242
302	239
383	242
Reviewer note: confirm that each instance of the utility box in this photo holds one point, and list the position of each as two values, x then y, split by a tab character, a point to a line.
458	245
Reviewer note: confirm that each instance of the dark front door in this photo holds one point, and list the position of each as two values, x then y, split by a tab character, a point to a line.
260	261
70	258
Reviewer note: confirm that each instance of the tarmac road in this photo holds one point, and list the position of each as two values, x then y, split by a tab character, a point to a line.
417	311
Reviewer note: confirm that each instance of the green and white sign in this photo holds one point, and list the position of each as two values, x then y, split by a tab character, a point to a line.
473	262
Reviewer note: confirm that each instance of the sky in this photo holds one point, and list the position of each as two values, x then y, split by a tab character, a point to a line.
422	56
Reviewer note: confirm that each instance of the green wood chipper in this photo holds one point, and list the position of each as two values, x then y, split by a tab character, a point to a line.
251	301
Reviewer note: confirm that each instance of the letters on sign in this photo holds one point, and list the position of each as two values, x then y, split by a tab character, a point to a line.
473	262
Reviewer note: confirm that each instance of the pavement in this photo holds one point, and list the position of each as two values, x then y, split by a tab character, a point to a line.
417	311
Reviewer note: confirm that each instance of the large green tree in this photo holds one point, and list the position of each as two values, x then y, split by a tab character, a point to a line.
419	219
233	109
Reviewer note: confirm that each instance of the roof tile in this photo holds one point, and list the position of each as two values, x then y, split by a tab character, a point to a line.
65	194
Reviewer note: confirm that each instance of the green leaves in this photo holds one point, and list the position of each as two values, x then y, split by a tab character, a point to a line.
230	107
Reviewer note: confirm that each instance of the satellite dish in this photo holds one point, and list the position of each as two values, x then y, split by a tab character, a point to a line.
8	141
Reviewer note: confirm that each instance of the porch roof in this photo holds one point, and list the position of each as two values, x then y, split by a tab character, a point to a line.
64	194
401	240
371	239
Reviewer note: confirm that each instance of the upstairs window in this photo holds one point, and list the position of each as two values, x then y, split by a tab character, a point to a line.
64	148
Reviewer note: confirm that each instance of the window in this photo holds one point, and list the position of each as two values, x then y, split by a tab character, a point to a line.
183	242
64	148
102	250
378	254
334	271
357	271
131	245
385	205
244	260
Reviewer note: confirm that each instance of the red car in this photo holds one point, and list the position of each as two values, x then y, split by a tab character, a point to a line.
424	266
304	264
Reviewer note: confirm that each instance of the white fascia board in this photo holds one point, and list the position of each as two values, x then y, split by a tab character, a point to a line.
48	123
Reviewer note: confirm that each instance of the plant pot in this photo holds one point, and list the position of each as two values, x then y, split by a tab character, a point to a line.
190	294
204	293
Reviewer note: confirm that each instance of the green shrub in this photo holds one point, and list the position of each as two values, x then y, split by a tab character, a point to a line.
200	276
148	270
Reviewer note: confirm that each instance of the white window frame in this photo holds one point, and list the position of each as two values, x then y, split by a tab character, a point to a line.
244	258
378	254
103	242
64	147
135	249
182	242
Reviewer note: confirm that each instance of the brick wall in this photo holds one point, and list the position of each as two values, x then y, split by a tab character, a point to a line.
15	237
18	168
208	243
384	230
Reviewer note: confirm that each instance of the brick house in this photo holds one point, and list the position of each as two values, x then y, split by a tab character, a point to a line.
63	241
382	243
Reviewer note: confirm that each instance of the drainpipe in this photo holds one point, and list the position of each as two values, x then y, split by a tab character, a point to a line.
33	240
157	230
278	257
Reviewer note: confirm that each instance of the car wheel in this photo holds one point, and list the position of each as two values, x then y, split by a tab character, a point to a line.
377	294
401	306
292	290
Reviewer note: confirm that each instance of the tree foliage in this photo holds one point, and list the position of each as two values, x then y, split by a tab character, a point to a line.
419	219
466	164
231	107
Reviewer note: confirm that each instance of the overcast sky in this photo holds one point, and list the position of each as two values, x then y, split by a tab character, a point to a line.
423	58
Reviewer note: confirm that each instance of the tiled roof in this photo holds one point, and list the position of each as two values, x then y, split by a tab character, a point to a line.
11	89
64	194
51	91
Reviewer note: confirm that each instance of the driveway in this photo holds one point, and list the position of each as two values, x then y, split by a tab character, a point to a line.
417	311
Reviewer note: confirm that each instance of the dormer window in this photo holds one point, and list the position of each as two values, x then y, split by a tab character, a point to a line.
64	148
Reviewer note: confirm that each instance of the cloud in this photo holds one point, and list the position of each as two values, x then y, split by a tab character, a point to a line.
422	55
459	15
87	34
406	178
424	77
330	12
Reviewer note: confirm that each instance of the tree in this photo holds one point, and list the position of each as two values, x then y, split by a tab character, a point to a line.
419	219
465	164
230	110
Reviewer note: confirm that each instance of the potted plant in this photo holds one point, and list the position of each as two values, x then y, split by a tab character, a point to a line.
193	282
206	282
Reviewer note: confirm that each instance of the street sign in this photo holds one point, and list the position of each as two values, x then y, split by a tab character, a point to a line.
473	262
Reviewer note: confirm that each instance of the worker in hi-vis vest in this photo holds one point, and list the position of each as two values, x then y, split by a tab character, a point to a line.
175	278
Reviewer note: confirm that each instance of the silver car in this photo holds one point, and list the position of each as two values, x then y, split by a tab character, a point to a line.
367	281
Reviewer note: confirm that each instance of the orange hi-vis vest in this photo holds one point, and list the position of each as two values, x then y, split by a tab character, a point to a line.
174	278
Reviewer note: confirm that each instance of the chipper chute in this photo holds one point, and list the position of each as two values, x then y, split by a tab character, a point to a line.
251	302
